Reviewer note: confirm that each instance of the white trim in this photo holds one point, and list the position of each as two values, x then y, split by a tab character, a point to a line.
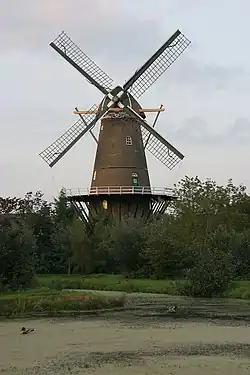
120	105
120	93
103	102
121	190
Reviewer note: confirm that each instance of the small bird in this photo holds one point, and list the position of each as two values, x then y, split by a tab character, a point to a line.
172	309
25	331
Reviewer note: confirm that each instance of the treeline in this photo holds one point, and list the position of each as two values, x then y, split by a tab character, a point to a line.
204	238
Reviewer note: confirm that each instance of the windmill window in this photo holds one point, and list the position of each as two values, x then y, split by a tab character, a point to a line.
129	141
94	176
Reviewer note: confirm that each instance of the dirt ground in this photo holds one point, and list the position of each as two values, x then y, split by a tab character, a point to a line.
125	346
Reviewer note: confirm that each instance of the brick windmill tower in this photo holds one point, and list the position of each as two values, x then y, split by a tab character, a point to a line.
120	180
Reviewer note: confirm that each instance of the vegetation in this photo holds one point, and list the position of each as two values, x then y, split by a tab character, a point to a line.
236	289
200	247
117	283
47	302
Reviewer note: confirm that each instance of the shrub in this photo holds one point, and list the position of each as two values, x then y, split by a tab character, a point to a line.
211	274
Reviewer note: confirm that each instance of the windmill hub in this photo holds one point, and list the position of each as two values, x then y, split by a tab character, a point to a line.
118	98
115	97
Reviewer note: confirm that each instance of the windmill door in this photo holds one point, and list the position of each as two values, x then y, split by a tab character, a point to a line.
135	182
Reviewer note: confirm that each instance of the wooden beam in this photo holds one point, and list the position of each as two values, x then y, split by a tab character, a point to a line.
84	112
83	120
161	109
153	125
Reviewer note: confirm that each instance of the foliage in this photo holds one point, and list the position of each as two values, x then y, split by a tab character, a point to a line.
164	255
109	282
52	283
17	255
203	239
53	303
124	244
210	276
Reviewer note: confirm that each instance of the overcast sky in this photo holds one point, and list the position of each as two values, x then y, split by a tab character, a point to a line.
205	93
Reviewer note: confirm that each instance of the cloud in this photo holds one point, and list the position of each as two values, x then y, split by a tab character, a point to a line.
197	130
107	31
240	131
109	24
204	91
194	129
206	78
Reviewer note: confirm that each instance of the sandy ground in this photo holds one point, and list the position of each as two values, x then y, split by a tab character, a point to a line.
125	346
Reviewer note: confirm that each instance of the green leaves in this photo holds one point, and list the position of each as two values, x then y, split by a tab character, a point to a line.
17	255
205	238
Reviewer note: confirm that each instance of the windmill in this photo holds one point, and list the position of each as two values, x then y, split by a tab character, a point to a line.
120	180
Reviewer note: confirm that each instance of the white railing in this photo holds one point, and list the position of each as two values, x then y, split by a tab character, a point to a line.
120	190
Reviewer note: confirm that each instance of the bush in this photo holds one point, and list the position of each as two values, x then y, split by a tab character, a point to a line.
211	274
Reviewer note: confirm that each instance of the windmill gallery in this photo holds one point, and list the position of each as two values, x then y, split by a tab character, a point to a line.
120	179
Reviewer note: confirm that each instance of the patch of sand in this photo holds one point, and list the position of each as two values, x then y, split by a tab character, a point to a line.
108	346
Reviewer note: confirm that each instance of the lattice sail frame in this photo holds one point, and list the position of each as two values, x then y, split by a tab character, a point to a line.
155	146
159	150
71	50
159	66
51	153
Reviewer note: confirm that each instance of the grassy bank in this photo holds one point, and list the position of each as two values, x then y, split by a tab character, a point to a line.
237	289
51	302
109	282
50	298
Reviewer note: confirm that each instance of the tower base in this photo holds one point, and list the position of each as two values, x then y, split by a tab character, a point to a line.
139	202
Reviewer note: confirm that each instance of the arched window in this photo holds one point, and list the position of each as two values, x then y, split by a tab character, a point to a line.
129	141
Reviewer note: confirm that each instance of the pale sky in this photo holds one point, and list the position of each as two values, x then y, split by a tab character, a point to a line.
205	92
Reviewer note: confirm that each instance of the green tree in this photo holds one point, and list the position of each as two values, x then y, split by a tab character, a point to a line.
212	270
203	205
125	242
241	255
83	259
17	255
63	216
165	253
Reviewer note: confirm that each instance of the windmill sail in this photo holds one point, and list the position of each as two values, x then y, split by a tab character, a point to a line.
162	152
135	86
157	64
53	153
157	145
76	57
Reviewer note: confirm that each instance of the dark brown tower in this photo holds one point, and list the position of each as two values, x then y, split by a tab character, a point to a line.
120	163
120	152
120	180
